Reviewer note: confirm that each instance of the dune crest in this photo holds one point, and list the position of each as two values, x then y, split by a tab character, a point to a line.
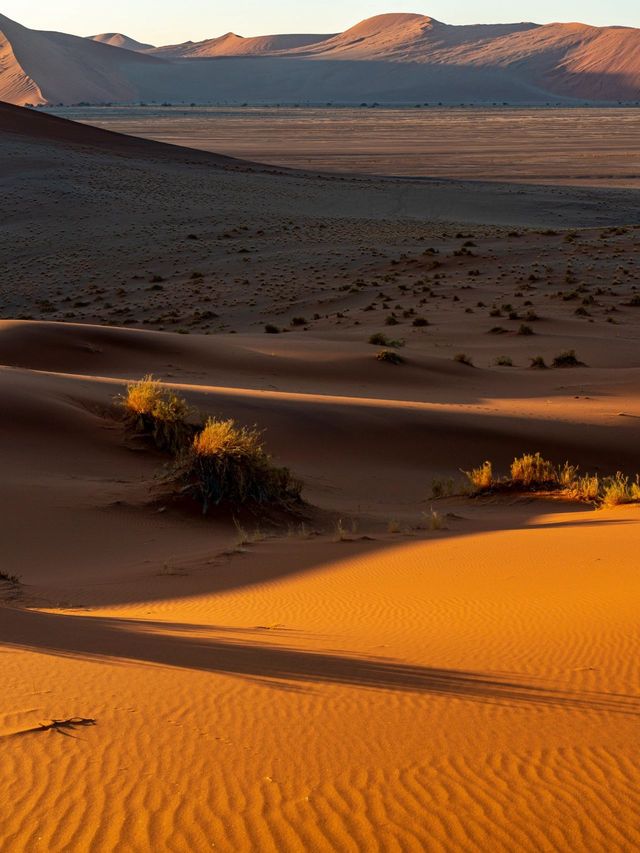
392	59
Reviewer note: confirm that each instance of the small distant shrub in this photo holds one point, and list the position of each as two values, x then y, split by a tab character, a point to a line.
538	363
435	521
420	321
463	358
503	361
227	464
270	329
567	359
380	340
298	321
391	321
525	330
442	488
390	357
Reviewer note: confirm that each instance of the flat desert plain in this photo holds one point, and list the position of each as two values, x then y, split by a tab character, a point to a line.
575	146
385	668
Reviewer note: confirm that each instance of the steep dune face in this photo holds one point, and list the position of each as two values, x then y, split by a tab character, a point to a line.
234	45
16	85
64	68
412	38
120	40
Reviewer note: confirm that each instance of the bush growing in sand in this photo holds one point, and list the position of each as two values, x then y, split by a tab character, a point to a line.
567	359
380	340
390	357
227	464
481	478
155	411
463	358
531	472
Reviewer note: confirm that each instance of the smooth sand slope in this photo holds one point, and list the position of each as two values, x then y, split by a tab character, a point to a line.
391	59
369	685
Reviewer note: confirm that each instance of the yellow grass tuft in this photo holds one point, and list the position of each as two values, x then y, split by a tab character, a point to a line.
531	469
481	478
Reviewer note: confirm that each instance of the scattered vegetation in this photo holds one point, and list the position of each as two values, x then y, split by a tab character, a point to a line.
532	473
503	361
6	577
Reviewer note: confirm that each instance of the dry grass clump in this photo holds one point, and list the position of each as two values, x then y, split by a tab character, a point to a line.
152	410
531	473
481	478
227	464
390	357
532	470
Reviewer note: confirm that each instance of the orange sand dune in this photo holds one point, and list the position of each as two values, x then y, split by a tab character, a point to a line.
462	688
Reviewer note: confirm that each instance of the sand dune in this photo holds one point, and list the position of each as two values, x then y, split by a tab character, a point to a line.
120	40
234	45
65	68
395	58
491	664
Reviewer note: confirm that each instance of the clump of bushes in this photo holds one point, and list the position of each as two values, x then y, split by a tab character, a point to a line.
532	473
158	413
215	462
227	464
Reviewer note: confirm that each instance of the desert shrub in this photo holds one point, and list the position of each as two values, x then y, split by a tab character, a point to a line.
463	358
481	478
420	321
525	330
617	490
270	329
531	469
380	340
227	464
538	363
503	361
442	488
568	358
390	357
391	321
531	472
152	410
298	321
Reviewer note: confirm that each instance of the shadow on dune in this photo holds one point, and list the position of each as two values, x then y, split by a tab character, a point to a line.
122	641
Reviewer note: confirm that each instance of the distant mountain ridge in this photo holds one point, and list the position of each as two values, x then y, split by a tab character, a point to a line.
393	58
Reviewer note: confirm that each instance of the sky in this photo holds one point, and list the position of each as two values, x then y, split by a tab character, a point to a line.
167	21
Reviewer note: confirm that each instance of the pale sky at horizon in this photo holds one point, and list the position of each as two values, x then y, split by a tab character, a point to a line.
166	21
